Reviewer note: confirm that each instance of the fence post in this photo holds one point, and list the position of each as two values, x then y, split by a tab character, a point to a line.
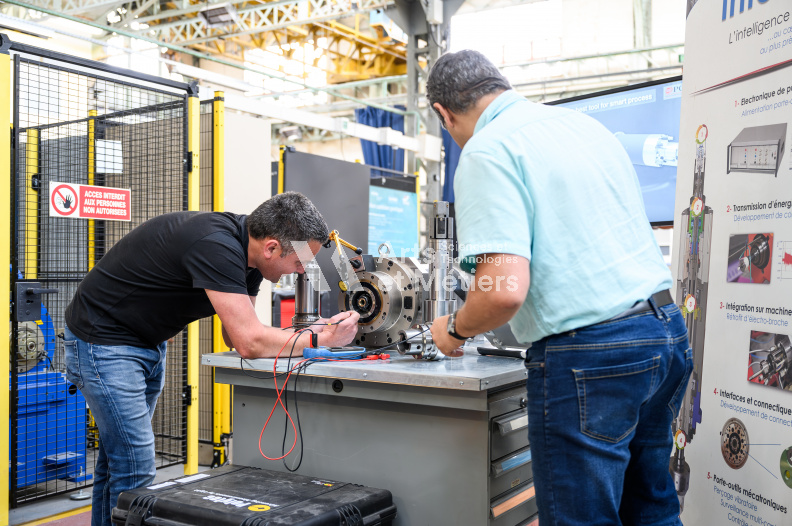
91	181
193	331
5	275
221	393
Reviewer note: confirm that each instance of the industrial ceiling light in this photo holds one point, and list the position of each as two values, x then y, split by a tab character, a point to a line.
291	133
219	15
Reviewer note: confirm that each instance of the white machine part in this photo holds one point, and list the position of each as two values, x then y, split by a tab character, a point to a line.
307	296
650	149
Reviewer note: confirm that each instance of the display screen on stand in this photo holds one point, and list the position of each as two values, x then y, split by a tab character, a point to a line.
393	216
645	119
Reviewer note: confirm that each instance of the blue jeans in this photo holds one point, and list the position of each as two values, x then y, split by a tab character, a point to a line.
121	384
601	400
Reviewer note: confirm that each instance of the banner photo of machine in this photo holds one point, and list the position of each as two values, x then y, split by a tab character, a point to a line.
750	258
732	461
645	119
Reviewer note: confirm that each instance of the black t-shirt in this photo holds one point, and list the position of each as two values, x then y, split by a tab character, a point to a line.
151	283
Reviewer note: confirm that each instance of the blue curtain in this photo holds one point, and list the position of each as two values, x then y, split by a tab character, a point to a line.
452	153
381	155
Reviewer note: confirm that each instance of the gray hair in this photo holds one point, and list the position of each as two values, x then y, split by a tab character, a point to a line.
458	80
287	217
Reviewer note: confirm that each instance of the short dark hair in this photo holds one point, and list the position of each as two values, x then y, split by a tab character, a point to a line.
458	80
287	217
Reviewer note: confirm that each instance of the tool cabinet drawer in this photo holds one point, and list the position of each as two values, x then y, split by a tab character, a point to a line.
508	433
508	400
510	471
513	507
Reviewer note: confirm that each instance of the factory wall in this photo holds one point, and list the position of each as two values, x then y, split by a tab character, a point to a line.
344	150
247	178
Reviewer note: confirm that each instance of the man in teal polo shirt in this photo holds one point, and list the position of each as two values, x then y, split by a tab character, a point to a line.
551	220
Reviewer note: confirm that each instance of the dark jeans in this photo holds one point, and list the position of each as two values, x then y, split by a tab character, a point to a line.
601	400
121	384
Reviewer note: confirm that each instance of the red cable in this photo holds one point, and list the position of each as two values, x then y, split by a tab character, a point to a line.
280	391
279	401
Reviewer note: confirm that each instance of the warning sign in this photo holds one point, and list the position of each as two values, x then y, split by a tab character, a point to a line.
63	200
90	202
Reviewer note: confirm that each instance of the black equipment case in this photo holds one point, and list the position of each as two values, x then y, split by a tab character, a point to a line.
244	496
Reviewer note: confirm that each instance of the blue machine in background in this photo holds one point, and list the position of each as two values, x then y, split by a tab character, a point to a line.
51	412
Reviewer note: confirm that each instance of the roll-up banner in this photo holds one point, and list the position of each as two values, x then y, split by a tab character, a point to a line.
732	461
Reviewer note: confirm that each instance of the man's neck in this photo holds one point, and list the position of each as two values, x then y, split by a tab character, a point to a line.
472	116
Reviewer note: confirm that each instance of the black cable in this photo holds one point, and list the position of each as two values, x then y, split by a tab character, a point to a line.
246	373
307	324
288	369
431	34
285	400
298	425
297	370
398	342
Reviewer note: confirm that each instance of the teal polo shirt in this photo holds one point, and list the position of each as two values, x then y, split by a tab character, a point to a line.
556	187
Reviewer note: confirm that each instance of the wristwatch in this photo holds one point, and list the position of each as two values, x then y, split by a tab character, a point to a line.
452	327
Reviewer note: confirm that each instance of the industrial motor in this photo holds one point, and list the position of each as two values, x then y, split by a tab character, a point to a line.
398	297
389	299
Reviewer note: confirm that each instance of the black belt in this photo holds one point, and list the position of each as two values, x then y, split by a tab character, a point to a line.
661	299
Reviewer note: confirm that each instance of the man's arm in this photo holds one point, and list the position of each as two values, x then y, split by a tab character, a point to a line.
252	339
500	287
226	337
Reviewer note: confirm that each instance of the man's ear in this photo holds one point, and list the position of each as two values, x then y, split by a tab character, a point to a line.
271	248
448	117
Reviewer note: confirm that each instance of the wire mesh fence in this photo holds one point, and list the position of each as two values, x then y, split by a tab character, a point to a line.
206	342
74	127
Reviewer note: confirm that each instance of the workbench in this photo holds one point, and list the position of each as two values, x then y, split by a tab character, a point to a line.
448	438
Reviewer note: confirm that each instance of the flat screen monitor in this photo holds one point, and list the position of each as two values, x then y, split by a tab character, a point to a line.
645	118
393	216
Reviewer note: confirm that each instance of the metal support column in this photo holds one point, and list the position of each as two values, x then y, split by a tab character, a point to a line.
5	277
193	332
426	42
221	392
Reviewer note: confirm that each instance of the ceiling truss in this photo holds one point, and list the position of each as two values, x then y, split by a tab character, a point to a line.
354	50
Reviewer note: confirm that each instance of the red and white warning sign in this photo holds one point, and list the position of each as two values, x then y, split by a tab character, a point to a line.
90	202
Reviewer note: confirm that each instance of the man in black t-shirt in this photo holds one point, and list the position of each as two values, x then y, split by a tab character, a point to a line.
172	270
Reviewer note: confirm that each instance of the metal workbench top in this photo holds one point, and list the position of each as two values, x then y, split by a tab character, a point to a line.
471	372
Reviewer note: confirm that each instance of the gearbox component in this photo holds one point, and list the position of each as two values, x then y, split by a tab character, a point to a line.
757	253
30	346
786	466
734	443
388	300
397	298
776	362
418	342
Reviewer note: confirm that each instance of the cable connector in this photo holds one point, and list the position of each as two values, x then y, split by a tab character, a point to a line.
382	356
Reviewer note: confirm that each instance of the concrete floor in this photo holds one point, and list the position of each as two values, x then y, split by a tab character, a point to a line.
36	513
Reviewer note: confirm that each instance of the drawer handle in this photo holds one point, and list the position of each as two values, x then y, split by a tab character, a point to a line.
512	423
512	502
511	463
